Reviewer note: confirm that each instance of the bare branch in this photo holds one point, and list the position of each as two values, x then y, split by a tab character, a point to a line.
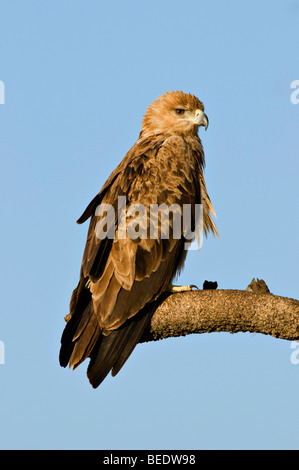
225	310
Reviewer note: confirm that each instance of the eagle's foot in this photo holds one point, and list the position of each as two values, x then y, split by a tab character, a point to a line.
175	289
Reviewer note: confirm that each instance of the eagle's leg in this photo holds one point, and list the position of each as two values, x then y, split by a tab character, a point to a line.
173	289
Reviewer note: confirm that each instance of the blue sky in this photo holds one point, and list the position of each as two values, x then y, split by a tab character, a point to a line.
78	78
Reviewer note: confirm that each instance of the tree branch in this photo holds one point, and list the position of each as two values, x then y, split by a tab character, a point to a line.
205	311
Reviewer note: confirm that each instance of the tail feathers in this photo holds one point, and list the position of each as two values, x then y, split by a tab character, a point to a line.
112	351
83	338
134	339
67	344
81	331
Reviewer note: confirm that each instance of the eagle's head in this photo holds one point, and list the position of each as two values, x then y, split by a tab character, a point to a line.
174	112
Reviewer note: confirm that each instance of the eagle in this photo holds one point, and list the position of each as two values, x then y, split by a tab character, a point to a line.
123	278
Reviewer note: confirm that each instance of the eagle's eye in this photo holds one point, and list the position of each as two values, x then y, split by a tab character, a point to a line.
179	111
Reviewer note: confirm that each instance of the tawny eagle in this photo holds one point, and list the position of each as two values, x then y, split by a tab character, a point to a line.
122	278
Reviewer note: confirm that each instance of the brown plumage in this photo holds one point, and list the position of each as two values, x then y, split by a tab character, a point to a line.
122	280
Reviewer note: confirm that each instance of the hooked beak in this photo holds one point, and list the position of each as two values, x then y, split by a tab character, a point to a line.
201	118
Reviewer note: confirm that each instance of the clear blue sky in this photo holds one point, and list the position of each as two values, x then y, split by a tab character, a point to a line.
78	77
